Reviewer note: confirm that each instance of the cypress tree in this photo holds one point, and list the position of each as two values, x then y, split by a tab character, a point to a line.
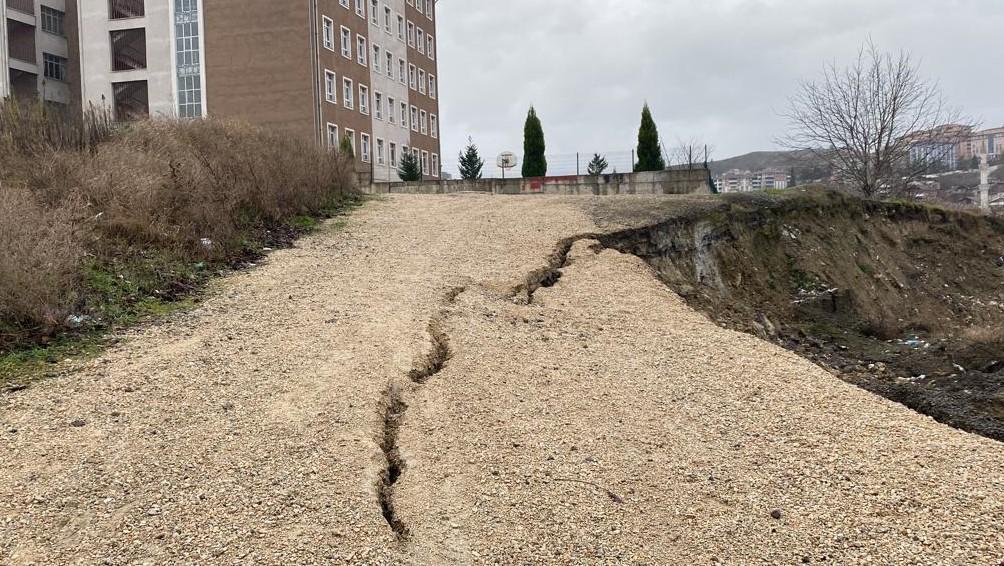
534	162
410	170
649	148
471	162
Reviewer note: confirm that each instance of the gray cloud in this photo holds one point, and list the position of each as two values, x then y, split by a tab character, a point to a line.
717	70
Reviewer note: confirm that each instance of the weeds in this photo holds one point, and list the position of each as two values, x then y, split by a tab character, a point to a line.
101	224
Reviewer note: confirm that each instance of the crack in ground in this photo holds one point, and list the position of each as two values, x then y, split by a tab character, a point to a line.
395	408
393	414
549	275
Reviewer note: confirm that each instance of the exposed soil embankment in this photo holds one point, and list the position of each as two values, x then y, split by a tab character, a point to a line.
904	300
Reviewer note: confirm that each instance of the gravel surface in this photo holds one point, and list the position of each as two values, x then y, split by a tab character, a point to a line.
603	423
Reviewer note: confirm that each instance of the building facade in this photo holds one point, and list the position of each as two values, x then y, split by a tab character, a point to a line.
739	181
35	50
325	70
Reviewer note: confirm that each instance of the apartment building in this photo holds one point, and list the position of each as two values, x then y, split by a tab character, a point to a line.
738	181
326	70
985	143
35	50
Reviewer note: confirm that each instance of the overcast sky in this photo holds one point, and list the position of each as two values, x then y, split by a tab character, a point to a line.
716	70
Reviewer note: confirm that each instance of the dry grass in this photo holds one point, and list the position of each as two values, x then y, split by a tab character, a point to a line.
187	191
39	260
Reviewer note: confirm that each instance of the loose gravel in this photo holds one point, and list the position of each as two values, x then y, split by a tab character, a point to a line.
603	423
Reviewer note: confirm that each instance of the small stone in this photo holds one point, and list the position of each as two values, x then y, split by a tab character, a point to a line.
116	414
77	423
228	406
776	514
12	430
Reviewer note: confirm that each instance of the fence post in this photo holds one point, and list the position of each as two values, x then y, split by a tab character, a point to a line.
632	159
577	164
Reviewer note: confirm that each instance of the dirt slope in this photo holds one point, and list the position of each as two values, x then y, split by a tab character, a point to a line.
259	428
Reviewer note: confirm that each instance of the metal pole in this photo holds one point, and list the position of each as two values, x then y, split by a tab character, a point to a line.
632	160
577	164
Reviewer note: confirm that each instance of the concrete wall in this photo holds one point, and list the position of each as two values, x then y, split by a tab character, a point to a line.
695	181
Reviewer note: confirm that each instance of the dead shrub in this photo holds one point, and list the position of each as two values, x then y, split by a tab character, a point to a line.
40	256
181	191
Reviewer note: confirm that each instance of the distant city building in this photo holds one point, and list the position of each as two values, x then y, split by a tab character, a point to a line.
738	181
985	143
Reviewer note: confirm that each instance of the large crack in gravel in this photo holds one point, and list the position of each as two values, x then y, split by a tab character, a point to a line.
393	414
549	275
395	408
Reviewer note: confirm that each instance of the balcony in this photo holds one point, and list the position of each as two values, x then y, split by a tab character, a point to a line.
21	41
23	6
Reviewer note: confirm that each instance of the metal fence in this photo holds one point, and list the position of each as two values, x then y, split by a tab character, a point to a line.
558	164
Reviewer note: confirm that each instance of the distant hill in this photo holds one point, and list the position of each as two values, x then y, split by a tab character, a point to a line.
757	160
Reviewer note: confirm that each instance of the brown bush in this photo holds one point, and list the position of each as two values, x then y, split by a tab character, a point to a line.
193	190
40	257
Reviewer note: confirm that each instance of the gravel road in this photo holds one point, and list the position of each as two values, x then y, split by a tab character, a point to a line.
381	395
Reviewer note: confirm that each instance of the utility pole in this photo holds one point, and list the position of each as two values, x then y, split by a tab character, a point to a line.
984	184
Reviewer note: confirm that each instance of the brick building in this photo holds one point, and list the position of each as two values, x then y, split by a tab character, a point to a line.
321	69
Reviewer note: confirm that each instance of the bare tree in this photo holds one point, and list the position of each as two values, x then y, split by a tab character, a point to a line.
878	123
690	154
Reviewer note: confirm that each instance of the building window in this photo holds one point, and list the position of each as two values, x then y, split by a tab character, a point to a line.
390	65
421	41
393	154
361	9
346	42
418	5
352	139
378	105
435	165
364	99
365	142
332	136
128	49
414	119
434	126
421	81
375	12
431	49
188	58
412	81
361	50
391	109
424	122
377	58
54	66
379	152
330	86
402	75
348	98
425	162
432	86
387	19
52	20
132	100
428	8
328	33
344	3
411	34
404	115
400	28
121	9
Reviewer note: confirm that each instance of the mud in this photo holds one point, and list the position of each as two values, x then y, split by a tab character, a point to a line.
903	300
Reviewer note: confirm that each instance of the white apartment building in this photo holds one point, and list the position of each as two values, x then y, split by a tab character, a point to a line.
142	58
34	50
389	82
